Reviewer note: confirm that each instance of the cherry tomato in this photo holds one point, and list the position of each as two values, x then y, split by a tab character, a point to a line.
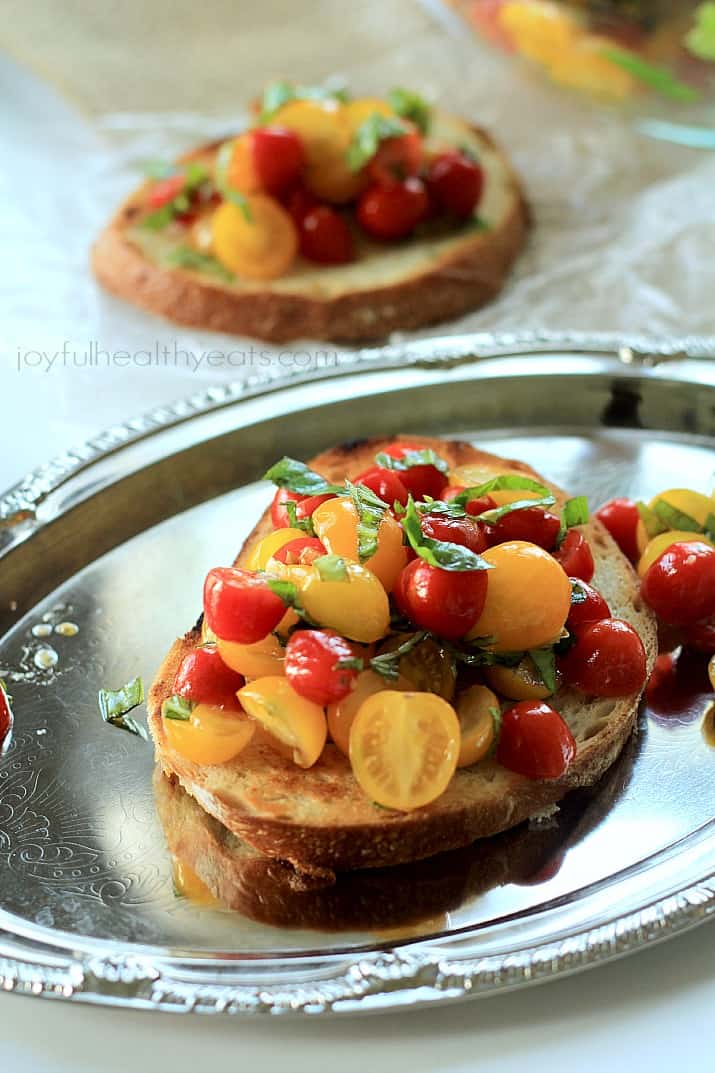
420	480
385	483
325	237
447	602
462	531
312	665
279	514
608	660
396	159
534	524
278	158
575	556
307	507
6	720
204	677
620	517
301	550
258	241
210	735
389	213
535	741
592	609
239	606
680	585
165	190
456	183
299	202
700	637
473	506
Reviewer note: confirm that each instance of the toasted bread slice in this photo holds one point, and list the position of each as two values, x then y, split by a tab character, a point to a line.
320	819
387	288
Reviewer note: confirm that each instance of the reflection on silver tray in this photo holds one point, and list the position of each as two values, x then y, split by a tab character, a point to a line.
116	537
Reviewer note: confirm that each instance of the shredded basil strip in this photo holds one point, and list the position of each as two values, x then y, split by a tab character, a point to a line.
441	553
178	708
672	518
228	192
575	512
349	663
492	516
496	714
387	665
578	596
424	456
115	705
370	512
306	524
331	568
276	94
545	663
187	257
651	522
508	481
410	105
658	78
297	477
366	140
710	527
287	591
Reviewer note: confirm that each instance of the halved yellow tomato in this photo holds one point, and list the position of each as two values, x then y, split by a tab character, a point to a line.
210	735
522	682
473	474
263	658
296	722
265	549
341	713
336	525
428	665
696	505
475	708
404	748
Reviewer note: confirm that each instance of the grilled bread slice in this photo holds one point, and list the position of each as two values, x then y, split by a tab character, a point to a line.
386	288
320	820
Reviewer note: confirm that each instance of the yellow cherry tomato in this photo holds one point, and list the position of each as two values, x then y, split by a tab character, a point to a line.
210	735
428	665
189	885
241	172
585	67
356	607
538	29
475	708
341	713
325	132
260	243
528	598
404	748
265	549
296	722
474	474
263	658
655	547
336	524
522	682
357	111
696	505
711	671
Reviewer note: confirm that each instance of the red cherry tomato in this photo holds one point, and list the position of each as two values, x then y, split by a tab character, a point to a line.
448	602
455	530
301	550
392	212
299	202
277	157
456	183
396	159
608	660
575	556
312	665
239	606
204	678
165	190
309	504
385	483
420	480
535	741
279	514
325	237
6	720
592	609
680	585
700	637
620	517
534	524
474	506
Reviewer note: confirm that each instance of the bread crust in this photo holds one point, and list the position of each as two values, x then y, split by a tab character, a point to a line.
320	820
468	275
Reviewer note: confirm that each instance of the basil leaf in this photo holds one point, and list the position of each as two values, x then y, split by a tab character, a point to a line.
496	714
331	568
675	519
578	595
160	218
287	591
370	512
178	708
709	527
510	481
545	663
575	512
350	663
492	516
658	78
297	477
651	522
306	524
441	553
228	192
115	705
276	94
387	665
410	105
422	457
186	257
366	140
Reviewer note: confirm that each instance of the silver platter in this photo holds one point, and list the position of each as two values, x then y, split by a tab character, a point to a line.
116	536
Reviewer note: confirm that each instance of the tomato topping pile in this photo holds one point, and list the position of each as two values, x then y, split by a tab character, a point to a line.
418	620
318	176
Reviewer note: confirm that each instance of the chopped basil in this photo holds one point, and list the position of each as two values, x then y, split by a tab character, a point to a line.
675	519
496	714
306	524
410	105
422	457
331	568
658	78
545	663
349	663
709	527
651	522
195	175
370	512
492	516
276	94
441	553
366	140
578	596
387	665
297	477
478	223
178	708
186	257
160	218
115	705
575	512
287	591
228	192
508	481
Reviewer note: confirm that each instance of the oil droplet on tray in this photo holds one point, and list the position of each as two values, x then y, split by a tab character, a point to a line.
67	629
709	724
45	658
41	629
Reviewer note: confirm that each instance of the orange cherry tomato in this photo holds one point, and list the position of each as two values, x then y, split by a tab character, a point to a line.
476	707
